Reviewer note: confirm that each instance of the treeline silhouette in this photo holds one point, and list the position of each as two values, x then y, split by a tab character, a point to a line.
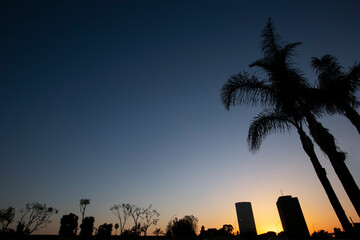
36	216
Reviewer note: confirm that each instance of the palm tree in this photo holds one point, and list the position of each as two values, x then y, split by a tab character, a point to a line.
338	88
270	121
284	88
326	142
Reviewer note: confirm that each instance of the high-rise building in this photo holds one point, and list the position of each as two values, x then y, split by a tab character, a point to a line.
292	218
245	219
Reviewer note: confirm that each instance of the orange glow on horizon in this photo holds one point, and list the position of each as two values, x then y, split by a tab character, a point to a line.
269	228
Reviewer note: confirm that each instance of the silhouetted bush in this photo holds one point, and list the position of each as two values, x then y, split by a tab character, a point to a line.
104	231
226	230
21	230
185	227
321	234
130	234
68	225
87	227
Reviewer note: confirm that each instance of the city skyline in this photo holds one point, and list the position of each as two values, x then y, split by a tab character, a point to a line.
119	102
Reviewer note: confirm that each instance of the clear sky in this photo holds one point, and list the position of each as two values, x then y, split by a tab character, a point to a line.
119	102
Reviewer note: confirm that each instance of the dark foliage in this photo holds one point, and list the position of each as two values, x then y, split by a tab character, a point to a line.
185	227
21	230
34	217
104	231
321	234
130	234
68	225
6	218
87	227
83	204
226	230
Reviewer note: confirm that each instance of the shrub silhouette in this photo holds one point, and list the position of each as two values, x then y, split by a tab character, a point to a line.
68	225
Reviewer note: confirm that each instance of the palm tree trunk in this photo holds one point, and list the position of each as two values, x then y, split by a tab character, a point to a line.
327	144
321	173
353	116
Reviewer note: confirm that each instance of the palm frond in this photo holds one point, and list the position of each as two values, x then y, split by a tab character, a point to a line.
271	40
267	122
353	77
338	87
288	51
327	64
263	63
245	89
314	101
329	71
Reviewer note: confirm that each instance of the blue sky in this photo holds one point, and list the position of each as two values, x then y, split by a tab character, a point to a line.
119	101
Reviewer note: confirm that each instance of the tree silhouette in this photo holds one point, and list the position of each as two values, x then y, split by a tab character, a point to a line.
338	88
87	227
136	212
104	231
321	234
226	230
6	218
150	218
185	227
271	121
122	212
158	232
68	225
83	204
34	217
284	89
116	228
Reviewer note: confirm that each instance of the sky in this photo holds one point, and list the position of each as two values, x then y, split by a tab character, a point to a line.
119	102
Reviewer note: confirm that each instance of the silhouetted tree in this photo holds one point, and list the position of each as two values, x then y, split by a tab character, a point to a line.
130	233
116	228
68	225
34	217
327	143
83	204
21	230
337	93
338	89
104	231
202	232
150	218
321	234
136	213
285	90
185	227
158	232
226	230
122	212
268	122
6	218
87	227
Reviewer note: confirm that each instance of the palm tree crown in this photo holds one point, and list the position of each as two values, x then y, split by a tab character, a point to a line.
338	89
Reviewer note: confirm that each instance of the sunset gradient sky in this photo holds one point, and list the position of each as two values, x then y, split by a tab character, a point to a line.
119	102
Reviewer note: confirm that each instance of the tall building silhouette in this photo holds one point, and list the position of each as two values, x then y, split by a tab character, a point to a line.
292	218
245	219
